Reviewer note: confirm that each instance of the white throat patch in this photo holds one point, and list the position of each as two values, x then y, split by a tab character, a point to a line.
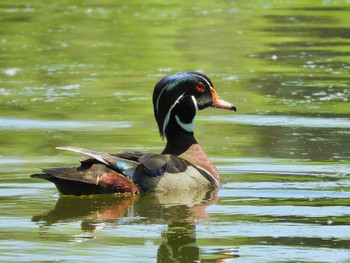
189	127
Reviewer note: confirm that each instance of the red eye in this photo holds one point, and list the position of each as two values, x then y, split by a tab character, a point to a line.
199	87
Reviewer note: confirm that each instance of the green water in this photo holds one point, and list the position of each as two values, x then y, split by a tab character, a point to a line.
82	74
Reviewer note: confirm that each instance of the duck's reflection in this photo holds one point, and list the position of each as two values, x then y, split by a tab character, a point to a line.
178	210
87	209
179	244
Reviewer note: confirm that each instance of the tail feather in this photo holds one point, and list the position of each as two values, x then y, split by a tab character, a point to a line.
41	176
87	152
124	163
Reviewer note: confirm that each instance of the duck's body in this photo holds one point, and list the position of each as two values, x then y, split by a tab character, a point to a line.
182	165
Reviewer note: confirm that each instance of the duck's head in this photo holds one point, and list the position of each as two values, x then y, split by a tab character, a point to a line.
178	97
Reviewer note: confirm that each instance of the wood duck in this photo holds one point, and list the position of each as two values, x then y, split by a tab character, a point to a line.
182	165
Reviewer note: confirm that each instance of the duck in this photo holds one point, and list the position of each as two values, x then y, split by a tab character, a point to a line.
182	165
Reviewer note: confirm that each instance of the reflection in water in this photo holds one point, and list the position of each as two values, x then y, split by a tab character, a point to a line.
82	79
180	245
179	210
179	242
89	210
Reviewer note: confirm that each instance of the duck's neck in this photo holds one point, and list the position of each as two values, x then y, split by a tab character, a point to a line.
178	143
185	146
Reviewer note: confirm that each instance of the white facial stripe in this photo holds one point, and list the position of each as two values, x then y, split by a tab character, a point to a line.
167	117
160	94
195	102
203	79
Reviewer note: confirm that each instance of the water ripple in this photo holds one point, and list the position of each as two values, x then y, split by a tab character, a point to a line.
281	211
283	166
282	120
33	124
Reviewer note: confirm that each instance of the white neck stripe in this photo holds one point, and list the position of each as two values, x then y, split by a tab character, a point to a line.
189	127
195	103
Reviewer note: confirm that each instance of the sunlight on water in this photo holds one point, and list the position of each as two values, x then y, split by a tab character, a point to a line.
282	120
93	126
283	167
82	74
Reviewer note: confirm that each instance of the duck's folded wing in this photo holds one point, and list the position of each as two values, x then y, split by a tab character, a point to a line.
100	173
92	178
124	162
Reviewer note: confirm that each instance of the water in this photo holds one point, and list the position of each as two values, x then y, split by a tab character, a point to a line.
82	74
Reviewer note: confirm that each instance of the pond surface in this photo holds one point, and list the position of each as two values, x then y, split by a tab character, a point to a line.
82	74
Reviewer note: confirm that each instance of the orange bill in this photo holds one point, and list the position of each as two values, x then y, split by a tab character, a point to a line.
219	103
